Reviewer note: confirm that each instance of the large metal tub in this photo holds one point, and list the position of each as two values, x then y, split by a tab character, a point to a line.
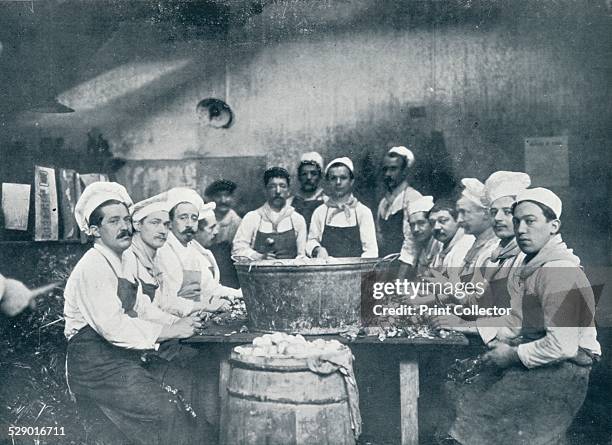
298	297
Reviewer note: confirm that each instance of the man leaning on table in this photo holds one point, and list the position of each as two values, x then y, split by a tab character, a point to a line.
342	226
188	272
107	334
540	358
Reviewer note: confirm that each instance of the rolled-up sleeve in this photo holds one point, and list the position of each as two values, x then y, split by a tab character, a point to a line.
317	224
409	251
367	231
299	223
245	235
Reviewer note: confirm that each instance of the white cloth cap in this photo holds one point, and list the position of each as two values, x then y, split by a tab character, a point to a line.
184	194
473	190
344	161
505	183
207	211
405	153
95	194
543	196
423	204
312	156
157	203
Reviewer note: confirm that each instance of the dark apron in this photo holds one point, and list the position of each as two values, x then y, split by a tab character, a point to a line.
306	207
342	242
227	271
284	246
129	391
392	234
148	289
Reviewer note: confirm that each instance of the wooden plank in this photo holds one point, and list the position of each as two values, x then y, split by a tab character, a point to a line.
67	200
224	376
409	397
16	206
45	205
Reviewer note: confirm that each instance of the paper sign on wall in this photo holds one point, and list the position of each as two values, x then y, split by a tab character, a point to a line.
45	204
16	206
547	161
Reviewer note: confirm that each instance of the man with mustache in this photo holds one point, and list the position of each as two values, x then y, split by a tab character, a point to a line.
474	218
311	195
394	205
107	333
422	233
275	230
227	221
540	359
342	226
443	219
187	272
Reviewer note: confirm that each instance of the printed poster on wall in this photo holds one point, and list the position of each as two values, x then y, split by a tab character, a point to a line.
45	204
16	205
547	161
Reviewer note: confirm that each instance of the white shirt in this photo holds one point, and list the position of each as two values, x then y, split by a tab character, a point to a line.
360	214
90	298
450	260
135	271
172	258
244	240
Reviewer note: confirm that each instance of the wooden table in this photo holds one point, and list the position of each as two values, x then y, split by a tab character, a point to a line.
408	365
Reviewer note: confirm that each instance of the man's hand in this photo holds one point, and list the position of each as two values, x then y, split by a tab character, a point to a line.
502	355
321	252
16	298
269	256
452	322
191	291
183	328
216	304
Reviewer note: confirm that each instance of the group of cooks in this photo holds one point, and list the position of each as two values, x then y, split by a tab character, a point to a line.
159	266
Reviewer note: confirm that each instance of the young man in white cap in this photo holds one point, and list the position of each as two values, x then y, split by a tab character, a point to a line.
540	359
186	270
275	230
310	195
342	226
420	228
393	206
474	218
106	335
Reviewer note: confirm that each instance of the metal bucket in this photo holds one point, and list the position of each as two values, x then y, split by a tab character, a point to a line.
310	299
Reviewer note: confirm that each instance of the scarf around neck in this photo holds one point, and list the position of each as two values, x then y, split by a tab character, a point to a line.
340	207
140	250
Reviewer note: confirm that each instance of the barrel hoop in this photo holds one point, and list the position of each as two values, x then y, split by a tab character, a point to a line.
268	367
285	401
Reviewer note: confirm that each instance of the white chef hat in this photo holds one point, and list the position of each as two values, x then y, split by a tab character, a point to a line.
473	190
344	161
423	204
95	194
144	208
543	196
312	157
505	183
207	211
403	152
184	194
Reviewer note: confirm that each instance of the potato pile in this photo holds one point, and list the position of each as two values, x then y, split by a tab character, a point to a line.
284	345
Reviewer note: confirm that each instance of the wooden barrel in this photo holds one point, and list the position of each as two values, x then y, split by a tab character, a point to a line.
279	401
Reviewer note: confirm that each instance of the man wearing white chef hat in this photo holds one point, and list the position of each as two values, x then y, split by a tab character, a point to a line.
310	195
186	270
550	348
107	333
393	206
473	216
421	230
342	226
